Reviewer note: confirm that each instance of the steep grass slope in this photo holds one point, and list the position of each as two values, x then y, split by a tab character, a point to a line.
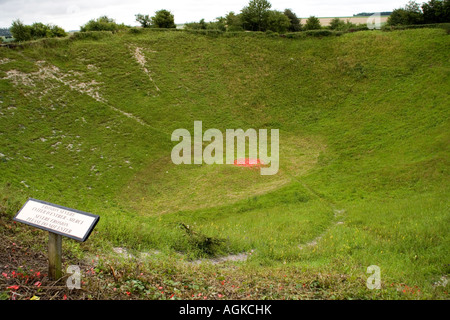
364	132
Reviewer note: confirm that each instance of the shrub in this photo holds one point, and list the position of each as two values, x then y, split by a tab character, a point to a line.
436	11
219	24
312	23
295	35
278	22
20	31
433	11
36	31
272	34
102	24
201	243
233	22
337	24
192	26
235	28
135	30
163	19
201	25
39	30
320	33
444	26
93	35
57	31
403	17
410	14
295	24
357	27
207	32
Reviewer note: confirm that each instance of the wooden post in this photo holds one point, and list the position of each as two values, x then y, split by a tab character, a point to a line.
54	256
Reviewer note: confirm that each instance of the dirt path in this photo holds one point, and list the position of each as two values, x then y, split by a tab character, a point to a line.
140	58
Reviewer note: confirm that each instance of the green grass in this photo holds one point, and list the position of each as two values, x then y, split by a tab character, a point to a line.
364	131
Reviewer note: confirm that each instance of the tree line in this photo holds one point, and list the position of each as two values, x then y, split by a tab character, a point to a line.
433	11
368	14
37	30
256	16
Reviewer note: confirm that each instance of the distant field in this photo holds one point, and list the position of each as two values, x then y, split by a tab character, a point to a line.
357	20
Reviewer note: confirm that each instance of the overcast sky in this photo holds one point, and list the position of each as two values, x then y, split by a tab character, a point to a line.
72	14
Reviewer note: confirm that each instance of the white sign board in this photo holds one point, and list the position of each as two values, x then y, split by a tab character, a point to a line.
67	222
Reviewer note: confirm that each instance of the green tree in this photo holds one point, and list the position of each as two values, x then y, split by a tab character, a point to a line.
144	20
294	21
340	25
436	11
192	26
202	24
312	23
413	6
163	19
57	31
398	17
278	22
40	30
19	31
410	14
233	22
337	24
218	24
254	16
